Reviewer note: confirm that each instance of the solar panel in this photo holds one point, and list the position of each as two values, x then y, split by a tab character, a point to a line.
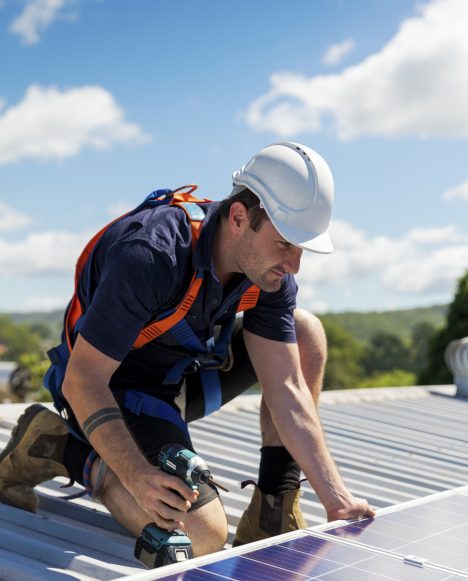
422	541
306	558
435	530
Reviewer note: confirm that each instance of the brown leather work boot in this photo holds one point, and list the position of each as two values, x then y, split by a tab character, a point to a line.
269	515
33	455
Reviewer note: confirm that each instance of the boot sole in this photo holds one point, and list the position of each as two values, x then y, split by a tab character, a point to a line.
20	429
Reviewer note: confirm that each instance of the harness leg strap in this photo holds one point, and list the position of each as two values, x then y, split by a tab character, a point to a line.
100	477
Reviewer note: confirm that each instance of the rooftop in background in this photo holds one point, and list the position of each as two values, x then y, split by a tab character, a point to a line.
392	445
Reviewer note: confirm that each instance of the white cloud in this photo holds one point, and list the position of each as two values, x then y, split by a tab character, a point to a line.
307	296
35	18
415	85
118	208
336	53
460	191
44	253
431	235
431	272
11	220
420	263
53	124
40	303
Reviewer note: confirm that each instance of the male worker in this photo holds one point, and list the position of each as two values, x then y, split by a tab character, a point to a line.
125	400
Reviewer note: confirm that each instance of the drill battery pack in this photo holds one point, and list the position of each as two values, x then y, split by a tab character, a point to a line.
157	547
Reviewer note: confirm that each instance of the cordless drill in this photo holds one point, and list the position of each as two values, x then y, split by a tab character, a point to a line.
157	547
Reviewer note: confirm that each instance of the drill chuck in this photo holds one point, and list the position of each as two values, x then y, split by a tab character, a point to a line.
176	459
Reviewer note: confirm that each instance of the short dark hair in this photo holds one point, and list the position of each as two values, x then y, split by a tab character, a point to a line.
257	215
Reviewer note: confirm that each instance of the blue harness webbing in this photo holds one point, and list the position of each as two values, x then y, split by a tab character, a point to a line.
139	403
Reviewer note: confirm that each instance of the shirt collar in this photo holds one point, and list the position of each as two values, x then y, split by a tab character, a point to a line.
203	254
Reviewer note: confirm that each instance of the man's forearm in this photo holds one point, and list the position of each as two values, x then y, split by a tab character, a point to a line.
99	416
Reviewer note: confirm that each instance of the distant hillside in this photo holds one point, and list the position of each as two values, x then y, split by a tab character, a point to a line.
363	325
53	320
49	318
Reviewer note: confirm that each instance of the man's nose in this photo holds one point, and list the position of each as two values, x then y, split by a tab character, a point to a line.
294	261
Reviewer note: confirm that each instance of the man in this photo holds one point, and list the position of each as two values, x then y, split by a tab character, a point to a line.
139	271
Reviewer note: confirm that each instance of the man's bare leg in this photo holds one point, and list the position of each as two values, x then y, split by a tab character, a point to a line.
205	526
312	344
274	507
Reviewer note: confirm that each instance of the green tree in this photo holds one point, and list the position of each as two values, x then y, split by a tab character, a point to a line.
394	378
456	327
421	336
17	339
37	365
343	369
386	352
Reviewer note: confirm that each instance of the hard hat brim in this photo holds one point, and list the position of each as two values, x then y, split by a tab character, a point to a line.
321	243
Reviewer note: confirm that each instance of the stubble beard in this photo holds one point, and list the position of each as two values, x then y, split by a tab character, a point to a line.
257	274
253	267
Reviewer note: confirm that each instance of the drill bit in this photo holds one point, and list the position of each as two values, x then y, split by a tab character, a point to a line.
211	480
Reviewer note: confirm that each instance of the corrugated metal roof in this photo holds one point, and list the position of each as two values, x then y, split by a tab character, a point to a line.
392	445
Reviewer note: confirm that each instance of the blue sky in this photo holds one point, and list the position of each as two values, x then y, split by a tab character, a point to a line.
103	101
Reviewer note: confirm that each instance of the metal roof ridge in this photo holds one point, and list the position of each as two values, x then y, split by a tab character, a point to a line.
252	401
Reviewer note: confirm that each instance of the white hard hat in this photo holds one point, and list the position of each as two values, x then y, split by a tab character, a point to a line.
295	186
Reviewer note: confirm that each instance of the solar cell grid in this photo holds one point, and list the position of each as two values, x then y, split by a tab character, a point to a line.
435	530
309	558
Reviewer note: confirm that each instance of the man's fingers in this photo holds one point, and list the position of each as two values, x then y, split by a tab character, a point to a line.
364	510
359	509
168	513
174	500
177	484
167	524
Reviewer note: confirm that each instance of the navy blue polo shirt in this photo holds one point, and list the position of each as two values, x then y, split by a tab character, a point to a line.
141	268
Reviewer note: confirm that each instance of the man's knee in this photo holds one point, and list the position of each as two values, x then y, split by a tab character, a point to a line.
311	334
207	528
312	343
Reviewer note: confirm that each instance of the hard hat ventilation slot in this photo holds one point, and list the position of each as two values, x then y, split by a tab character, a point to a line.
303	153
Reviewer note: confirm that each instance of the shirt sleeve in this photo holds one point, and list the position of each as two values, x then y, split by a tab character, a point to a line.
132	285
273	316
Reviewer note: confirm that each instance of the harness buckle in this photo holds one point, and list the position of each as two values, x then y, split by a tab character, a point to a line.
216	361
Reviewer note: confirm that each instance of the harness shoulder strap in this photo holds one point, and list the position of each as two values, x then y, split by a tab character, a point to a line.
75	309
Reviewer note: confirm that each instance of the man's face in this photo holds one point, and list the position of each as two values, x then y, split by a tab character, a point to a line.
265	256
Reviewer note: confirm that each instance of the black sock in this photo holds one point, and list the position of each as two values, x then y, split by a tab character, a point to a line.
278	472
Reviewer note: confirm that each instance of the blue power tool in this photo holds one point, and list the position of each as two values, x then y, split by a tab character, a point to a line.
157	547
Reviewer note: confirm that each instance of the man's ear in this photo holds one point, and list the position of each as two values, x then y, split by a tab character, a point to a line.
238	217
